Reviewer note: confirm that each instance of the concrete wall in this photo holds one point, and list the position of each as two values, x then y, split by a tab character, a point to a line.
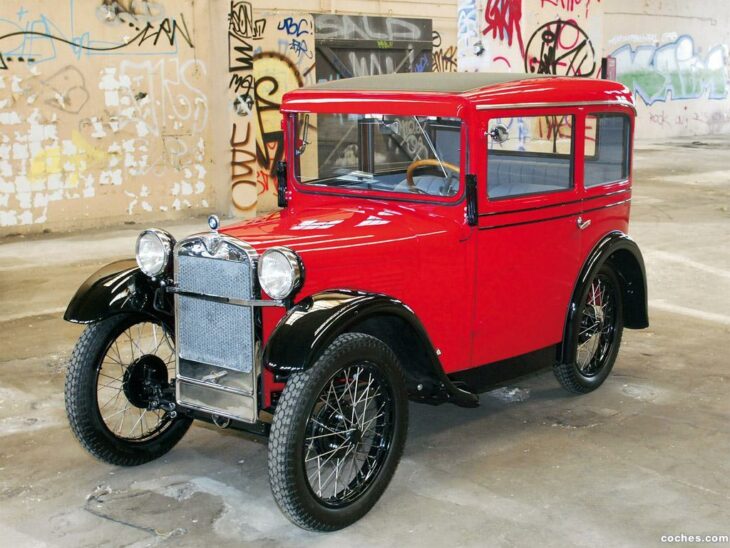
115	111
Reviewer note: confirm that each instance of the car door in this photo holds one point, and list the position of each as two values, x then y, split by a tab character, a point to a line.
528	239
605	173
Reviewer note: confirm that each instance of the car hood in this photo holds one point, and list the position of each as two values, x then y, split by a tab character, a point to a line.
366	247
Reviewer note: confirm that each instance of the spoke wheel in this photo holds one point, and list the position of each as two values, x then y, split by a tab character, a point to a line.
596	335
597	326
338	434
119	387
134	372
348	434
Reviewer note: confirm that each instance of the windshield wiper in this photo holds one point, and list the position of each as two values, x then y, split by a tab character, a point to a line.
433	149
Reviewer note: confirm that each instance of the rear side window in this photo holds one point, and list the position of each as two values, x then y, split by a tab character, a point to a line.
606	149
529	155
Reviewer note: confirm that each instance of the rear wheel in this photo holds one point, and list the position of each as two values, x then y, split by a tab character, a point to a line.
597	335
120	390
338	434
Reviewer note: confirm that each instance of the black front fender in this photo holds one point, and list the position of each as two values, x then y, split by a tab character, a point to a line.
311	325
115	288
314	323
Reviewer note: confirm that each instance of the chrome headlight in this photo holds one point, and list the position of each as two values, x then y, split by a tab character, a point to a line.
154	250
280	272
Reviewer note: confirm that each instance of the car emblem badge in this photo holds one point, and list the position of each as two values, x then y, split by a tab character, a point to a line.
214	222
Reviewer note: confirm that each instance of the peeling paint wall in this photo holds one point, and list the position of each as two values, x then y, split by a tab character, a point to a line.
104	113
111	110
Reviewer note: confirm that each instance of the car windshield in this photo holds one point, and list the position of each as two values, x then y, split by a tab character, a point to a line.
405	154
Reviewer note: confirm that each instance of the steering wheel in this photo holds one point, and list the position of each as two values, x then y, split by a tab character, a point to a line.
428	162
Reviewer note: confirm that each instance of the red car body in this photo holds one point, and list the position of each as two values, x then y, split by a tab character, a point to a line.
484	293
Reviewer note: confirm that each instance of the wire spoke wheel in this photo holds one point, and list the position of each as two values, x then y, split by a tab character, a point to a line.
119	392
338	433
132	376
597	326
348	434
595	334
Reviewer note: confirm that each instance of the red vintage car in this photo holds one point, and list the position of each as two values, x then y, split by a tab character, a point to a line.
439	233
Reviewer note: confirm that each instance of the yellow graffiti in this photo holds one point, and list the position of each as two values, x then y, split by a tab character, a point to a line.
51	160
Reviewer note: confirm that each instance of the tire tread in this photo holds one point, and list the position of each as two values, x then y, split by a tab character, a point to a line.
298	393
79	407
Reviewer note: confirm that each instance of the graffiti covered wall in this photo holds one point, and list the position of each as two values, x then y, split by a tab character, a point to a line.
560	37
106	110
104	113
673	55
677	67
293	49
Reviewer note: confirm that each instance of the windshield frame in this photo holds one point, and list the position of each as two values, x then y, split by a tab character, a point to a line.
309	188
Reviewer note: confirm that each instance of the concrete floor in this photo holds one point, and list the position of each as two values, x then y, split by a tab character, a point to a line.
646	455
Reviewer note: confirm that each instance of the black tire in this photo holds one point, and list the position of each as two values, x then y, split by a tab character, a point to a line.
82	406
294	419
581	376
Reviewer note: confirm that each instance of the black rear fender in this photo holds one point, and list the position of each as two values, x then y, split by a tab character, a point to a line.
622	254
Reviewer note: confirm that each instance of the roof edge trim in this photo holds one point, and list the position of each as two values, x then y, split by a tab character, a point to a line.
556	105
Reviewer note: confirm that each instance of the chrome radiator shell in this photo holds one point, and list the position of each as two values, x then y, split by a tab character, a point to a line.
216	346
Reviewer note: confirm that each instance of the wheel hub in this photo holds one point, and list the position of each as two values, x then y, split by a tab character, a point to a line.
142	378
337	434
354	436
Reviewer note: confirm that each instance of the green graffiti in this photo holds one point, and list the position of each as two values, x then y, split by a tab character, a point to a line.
682	84
674	70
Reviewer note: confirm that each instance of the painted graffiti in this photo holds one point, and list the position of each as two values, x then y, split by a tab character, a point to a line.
503	19
241	30
388	45
444	58
65	90
243	165
347	27
152	122
242	23
568	5
279	76
466	20
672	71
300	48
38	41
562	48
369	64
293	27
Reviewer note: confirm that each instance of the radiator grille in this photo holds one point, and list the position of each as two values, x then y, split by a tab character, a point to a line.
210	332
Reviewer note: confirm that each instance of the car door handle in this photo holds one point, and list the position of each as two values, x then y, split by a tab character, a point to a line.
583	224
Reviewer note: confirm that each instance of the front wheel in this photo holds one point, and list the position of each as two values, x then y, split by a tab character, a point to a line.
338	434
120	390
596	335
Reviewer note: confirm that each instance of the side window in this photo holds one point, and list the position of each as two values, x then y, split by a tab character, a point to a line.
606	149
529	155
